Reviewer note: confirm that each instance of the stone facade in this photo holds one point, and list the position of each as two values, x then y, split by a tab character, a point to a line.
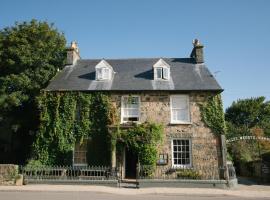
206	149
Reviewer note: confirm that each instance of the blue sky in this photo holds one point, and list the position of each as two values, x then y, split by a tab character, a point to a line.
236	34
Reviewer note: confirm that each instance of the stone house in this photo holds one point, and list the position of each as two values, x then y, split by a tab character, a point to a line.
162	90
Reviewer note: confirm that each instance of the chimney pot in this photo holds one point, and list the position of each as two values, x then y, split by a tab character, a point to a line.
73	53
197	51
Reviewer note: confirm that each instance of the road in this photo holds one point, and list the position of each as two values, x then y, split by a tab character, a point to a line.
34	195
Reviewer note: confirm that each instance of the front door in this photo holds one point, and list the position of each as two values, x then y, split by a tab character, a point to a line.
131	163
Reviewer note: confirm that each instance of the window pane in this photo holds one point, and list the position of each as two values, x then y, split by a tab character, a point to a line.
99	73
179	102
181	152
165	73
159	72
80	152
179	108
105	73
130	108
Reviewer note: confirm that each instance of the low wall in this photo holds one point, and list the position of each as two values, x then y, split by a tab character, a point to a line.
188	183
9	175
109	183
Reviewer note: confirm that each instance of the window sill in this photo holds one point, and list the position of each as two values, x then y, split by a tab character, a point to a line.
180	123
130	122
181	167
161	79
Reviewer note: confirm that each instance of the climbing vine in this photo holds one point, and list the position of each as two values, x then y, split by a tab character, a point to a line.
213	115
143	139
67	117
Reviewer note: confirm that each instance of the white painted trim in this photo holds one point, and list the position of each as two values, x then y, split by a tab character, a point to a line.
190	146
104	64
122	102
161	64
188	105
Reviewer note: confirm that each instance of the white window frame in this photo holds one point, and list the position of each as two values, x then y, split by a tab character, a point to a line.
188	110
103	73
162	69
190	154
122	108
168	73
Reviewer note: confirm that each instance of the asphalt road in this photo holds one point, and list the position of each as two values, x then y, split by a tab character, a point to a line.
30	195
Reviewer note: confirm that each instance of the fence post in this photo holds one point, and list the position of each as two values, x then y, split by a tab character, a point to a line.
224	157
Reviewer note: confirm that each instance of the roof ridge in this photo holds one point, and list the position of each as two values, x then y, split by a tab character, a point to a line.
132	58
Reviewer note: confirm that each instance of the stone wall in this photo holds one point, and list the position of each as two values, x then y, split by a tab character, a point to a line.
206	151
8	174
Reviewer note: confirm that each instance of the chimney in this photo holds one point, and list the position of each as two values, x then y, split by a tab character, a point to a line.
197	51
73	53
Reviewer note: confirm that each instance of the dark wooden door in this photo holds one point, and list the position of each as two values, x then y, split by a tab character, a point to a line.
131	163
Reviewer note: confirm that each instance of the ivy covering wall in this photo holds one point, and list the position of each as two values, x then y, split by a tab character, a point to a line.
143	139
67	117
213	114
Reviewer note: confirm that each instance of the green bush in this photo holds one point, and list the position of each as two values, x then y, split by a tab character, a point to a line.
34	165
188	174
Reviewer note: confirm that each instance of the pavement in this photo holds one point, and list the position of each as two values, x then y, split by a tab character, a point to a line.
241	191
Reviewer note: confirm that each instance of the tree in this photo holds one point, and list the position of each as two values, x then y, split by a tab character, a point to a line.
248	117
30	55
249	113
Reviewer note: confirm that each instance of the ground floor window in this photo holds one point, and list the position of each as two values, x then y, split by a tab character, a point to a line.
79	154
181	153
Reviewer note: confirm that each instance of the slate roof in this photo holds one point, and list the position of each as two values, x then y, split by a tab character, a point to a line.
135	75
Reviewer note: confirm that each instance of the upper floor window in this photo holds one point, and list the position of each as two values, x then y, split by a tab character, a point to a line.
103	73
104	70
162	73
180	109
130	109
161	70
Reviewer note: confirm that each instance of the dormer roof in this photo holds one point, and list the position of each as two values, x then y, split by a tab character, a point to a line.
161	63
103	63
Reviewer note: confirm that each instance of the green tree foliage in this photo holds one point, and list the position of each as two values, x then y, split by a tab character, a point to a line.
246	114
248	117
30	54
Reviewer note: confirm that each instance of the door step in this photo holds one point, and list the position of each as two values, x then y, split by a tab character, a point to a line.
127	183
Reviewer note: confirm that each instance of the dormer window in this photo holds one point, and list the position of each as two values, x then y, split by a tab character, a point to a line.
161	70
104	71
162	73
